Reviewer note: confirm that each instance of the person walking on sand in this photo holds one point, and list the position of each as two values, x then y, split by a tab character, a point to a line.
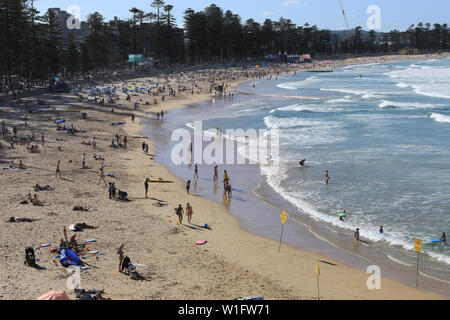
188	187
102	177
180	213
196	172
226	178
58	170
146	187
83	160
189	212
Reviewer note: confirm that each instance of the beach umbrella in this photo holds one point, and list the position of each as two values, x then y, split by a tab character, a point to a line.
54	295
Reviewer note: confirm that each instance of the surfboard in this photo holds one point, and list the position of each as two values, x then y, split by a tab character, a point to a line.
160	181
201	242
436	240
342	215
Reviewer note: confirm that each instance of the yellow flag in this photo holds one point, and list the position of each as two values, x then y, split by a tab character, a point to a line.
317	270
418	245
283	217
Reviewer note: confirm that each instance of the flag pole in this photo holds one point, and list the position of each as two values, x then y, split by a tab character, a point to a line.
281	237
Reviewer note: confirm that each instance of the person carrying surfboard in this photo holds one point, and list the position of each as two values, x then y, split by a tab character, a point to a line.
444	237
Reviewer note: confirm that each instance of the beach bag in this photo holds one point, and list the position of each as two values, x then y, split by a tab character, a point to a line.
126	263
30	258
123	195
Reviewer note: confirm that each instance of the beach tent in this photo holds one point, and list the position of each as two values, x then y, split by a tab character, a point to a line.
54	295
69	258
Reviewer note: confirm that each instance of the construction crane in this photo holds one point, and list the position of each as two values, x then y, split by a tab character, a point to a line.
345	18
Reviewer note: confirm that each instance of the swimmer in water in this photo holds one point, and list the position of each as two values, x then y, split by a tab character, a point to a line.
302	163
381	230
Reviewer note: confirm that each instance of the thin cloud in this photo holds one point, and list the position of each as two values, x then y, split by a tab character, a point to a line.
268	13
290	3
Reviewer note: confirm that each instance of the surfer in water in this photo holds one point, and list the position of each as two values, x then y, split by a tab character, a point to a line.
381	231
302	163
444	237
327	177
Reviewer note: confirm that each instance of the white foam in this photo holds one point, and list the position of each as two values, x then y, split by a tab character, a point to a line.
409	105
427	81
440	117
365	94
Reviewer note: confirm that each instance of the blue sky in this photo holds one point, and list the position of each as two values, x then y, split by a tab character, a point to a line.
326	14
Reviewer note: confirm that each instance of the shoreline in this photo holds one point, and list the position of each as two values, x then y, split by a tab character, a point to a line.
193	103
233	263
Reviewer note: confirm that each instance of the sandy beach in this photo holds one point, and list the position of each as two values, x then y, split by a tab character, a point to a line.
233	263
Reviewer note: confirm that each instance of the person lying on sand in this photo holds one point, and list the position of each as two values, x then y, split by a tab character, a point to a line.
82	226
21	166
98	158
94	294
79	208
38	188
18	220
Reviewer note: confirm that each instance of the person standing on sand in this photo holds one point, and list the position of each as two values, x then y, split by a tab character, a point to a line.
188	187
58	170
189	212
357	235
110	190
120	253
102	177
83	160
146	187
43	140
180	213
216	174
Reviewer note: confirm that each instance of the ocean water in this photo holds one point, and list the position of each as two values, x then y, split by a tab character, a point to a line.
383	133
